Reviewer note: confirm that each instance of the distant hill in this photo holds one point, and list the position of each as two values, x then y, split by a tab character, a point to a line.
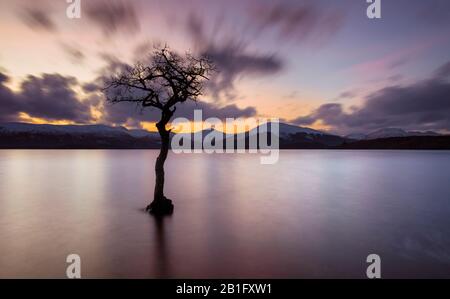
33	136
398	143
290	137
390	133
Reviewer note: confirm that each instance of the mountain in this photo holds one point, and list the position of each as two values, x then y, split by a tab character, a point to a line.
356	136
386	133
292	137
390	133
103	130
401	143
35	136
22	135
295	137
62	129
286	130
139	133
287	134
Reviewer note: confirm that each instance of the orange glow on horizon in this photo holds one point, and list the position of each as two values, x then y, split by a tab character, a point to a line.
25	117
149	126
190	127
320	126
181	128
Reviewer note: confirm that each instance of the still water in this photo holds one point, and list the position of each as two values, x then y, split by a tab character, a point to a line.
314	214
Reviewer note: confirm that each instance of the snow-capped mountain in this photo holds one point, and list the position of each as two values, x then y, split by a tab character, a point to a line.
61	129
290	136
21	135
389	133
102	130
286	130
32	136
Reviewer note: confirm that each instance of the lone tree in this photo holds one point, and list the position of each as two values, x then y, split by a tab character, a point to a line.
166	80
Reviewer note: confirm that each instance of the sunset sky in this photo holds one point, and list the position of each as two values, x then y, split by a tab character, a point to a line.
320	64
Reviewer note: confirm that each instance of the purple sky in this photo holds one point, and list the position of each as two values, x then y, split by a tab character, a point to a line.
321	63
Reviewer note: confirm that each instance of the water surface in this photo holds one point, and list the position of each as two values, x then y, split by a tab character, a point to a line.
314	214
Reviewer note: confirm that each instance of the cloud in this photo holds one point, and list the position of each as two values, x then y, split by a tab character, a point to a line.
53	97
331	114
231	57
38	19
296	22
234	46
443	72
73	52
9	105
424	105
90	87
50	97
126	113
113	16
113	65
349	94
232	62
132	115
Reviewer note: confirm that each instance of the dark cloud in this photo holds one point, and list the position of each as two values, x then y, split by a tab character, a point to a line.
3	78
443	72
232	62
50	96
331	113
132	115
113	16
90	87
38	19
126	113
113	65
424	105
53	97
231	57
8	104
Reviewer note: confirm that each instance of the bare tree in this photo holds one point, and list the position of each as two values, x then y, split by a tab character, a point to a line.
166	80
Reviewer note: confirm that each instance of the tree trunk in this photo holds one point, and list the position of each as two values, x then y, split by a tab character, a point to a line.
159	166
160	204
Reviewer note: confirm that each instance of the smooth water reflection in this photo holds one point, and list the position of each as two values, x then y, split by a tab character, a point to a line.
314	214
